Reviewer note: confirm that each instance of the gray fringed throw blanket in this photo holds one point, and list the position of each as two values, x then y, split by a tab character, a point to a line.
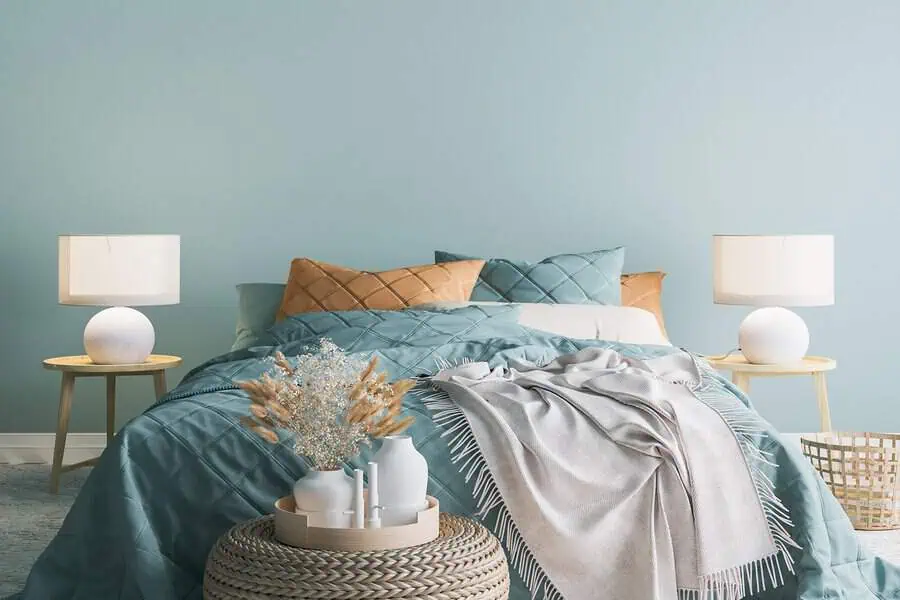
614	478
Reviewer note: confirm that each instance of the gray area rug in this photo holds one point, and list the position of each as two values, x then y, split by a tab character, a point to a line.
30	516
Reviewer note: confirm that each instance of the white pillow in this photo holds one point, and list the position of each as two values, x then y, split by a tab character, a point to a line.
626	324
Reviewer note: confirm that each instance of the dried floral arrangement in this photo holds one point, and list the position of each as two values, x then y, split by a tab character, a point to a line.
330	402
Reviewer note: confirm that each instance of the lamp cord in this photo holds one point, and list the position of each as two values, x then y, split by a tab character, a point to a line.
721	357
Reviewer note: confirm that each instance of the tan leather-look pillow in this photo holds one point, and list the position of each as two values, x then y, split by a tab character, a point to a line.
644	290
317	286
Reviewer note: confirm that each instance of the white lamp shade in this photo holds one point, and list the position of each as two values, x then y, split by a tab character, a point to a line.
119	270
773	270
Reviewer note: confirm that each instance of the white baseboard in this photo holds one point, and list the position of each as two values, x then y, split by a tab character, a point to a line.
18	448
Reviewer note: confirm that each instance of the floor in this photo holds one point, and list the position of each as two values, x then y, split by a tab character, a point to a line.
30	515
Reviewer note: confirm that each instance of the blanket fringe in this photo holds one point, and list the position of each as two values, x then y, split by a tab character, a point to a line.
738	582
766	573
730	584
491	509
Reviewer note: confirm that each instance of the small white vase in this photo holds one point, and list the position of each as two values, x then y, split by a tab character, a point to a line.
402	480
327	495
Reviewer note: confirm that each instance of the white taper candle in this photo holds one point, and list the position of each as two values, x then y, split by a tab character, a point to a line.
374	521
359	515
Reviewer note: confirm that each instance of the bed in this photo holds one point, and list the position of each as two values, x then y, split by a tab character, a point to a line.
182	473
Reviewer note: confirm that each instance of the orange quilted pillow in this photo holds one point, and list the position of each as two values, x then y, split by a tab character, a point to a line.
644	290
316	286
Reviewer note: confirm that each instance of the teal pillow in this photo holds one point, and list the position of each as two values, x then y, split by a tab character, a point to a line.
585	278
369	329
257	305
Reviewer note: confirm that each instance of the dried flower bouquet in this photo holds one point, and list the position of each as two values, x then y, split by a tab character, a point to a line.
330	402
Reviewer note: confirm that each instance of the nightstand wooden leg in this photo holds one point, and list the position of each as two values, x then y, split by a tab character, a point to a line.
822	398
110	408
62	429
742	381
159	384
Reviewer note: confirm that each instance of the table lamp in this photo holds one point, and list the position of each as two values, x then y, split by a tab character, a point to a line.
119	271
773	271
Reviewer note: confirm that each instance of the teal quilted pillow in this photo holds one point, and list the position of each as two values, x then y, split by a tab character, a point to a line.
356	329
586	278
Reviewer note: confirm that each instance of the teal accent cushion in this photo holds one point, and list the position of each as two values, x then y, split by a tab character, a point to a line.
408	327
257	305
585	278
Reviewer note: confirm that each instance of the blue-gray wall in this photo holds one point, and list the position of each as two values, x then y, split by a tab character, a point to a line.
370	133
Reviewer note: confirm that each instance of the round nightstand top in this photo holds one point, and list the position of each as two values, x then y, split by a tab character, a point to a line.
809	364
83	364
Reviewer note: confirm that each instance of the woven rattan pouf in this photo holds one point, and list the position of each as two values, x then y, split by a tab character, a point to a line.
465	562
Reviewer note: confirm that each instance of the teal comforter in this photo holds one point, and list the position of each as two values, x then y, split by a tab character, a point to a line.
178	476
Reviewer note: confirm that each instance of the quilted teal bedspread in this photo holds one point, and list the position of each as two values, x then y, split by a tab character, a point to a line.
179	475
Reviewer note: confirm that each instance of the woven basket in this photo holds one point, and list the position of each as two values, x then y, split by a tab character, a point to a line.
861	469
465	562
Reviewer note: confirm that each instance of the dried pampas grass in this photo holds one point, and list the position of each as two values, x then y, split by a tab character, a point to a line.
331	403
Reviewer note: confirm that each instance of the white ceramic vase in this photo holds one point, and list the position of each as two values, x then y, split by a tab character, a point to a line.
327	495
402	480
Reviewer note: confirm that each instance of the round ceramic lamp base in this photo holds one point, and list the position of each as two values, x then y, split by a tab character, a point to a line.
773	336
119	336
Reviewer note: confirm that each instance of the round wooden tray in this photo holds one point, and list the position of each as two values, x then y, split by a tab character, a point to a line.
293	529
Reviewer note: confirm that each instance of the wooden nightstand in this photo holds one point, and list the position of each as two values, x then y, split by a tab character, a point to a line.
82	366
817	366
